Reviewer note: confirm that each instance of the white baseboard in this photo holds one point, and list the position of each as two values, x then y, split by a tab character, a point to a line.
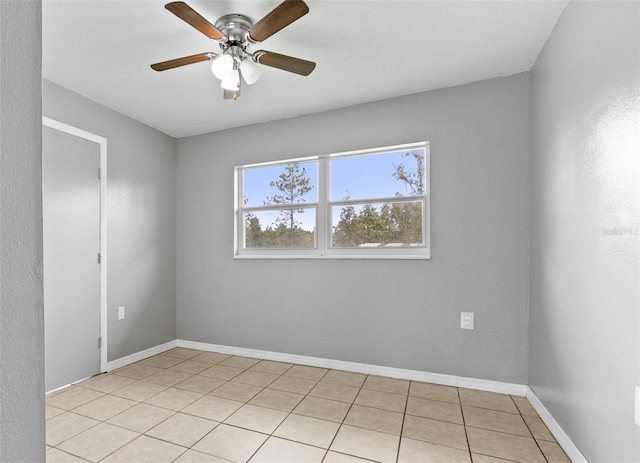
133	358
573	452
415	375
448	380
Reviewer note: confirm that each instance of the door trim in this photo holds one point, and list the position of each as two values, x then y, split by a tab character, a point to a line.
102	142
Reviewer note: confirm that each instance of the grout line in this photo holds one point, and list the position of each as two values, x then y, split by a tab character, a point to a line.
404	416
530	431
464	424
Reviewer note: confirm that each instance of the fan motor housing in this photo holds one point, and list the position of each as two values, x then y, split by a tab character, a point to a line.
235	27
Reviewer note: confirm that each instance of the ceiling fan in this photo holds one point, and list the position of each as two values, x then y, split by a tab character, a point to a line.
235	33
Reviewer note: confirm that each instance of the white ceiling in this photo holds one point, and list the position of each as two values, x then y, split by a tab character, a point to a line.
364	50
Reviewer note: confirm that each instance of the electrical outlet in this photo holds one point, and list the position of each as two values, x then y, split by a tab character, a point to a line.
121	313
637	408
466	320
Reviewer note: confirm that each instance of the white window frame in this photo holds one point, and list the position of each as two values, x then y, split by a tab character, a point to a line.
323	205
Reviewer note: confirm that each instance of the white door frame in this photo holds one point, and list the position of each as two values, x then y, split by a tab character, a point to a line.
102	142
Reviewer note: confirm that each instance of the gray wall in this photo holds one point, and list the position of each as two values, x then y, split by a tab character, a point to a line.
141	210
402	314
22	427
585	220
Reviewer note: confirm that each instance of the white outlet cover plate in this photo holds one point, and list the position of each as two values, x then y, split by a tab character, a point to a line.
466	320
121	313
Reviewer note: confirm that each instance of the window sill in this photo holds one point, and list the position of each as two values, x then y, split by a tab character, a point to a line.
333	257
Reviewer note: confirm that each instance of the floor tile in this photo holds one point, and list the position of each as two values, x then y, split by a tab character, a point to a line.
146	450
276	450
239	362
231	443
137	371
553	452
268	366
379	383
305	372
106	382
255	378
375	418
435	432
292	384
65	426
434	392
382	400
52	411
139	391
167	377
477	458
182	353
256	418
191	367
279	400
324	409
345	378
96	443
200	384
160	361
213	408
227	406
433	409
182	429
414	451
501	445
73	397
524	406
489	400
236	391
538	428
495	421
141	418
58	456
104	407
366	443
335	392
210	357
307	430
191	456
221	372
174	399
335	457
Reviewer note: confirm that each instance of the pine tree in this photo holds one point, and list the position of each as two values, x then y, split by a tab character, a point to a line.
293	184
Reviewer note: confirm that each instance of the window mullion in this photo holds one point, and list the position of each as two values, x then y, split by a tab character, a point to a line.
321	213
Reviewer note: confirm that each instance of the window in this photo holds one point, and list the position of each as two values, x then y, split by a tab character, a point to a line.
362	204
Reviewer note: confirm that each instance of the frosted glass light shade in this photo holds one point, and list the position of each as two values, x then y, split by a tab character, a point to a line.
232	81
250	71
222	65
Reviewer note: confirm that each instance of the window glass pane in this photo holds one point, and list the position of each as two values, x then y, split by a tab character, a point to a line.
377	225
286	228
292	183
385	175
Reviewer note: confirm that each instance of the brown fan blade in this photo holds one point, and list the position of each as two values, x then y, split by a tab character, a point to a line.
175	63
279	18
284	62
191	17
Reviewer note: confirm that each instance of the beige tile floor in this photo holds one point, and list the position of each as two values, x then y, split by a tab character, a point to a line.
191	406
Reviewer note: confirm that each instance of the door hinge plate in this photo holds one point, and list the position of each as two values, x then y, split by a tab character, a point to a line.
99	342
99	258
